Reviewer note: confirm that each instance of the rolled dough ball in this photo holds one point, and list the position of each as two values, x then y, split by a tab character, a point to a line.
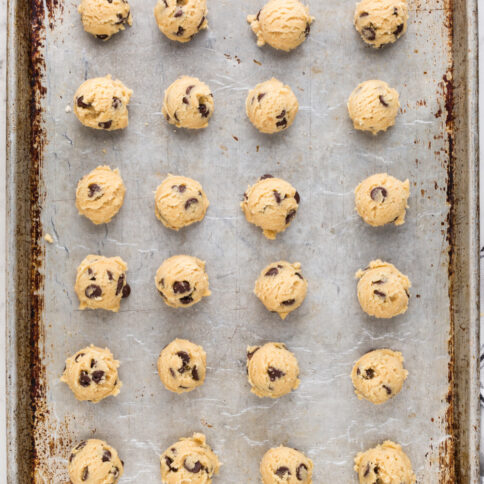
189	460
381	22
384	463
272	370
271	204
182	281
179	202
271	106
383	290
101	283
382	199
104	18
281	287
182	366
93	461
92	374
373	106
102	103
188	103
379	375
283	24
100	194
283	464
180	20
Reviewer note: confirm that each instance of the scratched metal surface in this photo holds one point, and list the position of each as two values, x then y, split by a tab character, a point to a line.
324	158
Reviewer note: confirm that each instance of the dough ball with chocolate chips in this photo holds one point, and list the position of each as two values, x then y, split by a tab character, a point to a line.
382	199
92	374
384	463
272	370
101	283
102	103
283	464
383	290
271	106
182	366
180	201
271	204
182	281
180	20
373	106
94	461
381	22
188	103
100	194
283	24
281	287
379	375
104	18
189	460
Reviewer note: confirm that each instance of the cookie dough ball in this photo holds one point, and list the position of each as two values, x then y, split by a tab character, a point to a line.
384	463
101	283
379	375
188	103
383	290
182	366
382	199
93	461
381	22
272	370
102	103
271	204
100	194
104	18
283	24
281	287
373	106
92	374
180	20
179	202
271	106
284	464
189	460
182	281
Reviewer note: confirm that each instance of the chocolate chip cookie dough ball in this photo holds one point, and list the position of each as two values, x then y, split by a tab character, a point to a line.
271	204
180	20
104	18
100	194
281	287
373	106
182	281
381	22
283	464
179	202
385	463
93	461
102	103
383	290
283	24
182	366
92	374
271	106
272	370
379	375
382	199
189	460
188	103
101	283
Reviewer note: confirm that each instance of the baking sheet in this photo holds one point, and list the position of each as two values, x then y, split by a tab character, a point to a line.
324	158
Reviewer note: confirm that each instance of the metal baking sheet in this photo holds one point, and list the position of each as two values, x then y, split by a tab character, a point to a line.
433	145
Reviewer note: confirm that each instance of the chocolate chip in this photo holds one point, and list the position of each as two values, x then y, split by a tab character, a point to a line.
172	373
84	379
204	111
169	461
201	23
85	474
93	363
79	355
364	14
122	19
106	455
186	299
367	470
264	177
71	457
274	373
114	471
379	282
298	274
387	389
93	188
102	36
81	103
93	291
189	88
297	197
97	376
180	31
288	302
110	275
180	287
195	374
190	202
273	271
117	102
178	13
184	356
368	32
120	284
260	96
382	100
378	194
376	470
369	373
105	125
80	446
258	15
126	291
307	30
91	275
282	123
379	294
281	115
291	214
250	354
282	471
398	30
395	11
166	3
302	472
277	196
407	293
197	467
185	100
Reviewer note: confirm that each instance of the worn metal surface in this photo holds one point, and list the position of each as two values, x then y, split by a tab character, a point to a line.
433	144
